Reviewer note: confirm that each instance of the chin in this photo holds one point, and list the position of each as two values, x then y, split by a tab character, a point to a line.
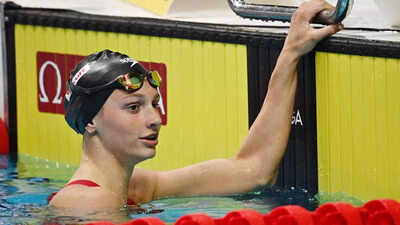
152	154
148	153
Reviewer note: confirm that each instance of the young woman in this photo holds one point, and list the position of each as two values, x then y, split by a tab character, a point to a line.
112	100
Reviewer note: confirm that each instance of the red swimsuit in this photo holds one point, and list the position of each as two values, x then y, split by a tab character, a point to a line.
88	183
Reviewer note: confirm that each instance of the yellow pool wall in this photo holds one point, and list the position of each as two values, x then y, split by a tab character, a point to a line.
358	125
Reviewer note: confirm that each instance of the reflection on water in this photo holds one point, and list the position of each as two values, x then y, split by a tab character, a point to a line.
23	200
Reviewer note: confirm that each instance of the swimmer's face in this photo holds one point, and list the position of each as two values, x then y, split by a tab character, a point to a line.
129	123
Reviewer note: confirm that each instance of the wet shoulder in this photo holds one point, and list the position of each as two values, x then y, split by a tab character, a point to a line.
82	197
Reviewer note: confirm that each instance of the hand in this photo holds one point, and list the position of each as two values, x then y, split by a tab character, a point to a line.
302	38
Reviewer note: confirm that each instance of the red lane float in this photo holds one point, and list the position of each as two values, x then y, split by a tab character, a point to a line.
376	212
381	212
195	219
243	217
289	215
338	214
146	221
4	143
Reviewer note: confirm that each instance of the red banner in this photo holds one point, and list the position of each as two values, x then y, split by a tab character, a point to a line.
53	72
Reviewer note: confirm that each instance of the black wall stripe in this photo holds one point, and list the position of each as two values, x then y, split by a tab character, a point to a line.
11	82
299	165
310	112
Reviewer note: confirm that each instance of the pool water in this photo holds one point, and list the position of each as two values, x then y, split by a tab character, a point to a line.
24	188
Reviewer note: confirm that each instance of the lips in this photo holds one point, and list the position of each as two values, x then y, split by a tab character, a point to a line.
152	136
150	140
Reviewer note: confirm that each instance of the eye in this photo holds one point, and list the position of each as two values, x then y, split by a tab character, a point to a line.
133	107
156	104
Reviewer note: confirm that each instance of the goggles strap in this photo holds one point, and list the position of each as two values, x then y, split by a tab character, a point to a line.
160	102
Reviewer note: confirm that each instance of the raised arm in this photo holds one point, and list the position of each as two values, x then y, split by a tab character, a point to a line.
268	136
257	160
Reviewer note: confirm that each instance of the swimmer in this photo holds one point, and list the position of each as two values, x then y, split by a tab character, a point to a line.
112	101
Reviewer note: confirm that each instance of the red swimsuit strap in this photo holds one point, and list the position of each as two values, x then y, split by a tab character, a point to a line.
88	183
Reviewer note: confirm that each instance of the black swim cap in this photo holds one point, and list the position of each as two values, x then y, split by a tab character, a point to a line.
95	70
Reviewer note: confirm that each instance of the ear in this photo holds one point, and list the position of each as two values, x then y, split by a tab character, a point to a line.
91	127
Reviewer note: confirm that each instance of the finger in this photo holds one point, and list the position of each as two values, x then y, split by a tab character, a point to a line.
324	32
311	8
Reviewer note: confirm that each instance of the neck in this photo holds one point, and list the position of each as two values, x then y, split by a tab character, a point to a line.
105	168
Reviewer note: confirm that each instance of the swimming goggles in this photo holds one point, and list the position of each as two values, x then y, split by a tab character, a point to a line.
130	82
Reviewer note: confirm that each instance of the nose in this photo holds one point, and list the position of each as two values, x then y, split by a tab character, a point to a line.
154	119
